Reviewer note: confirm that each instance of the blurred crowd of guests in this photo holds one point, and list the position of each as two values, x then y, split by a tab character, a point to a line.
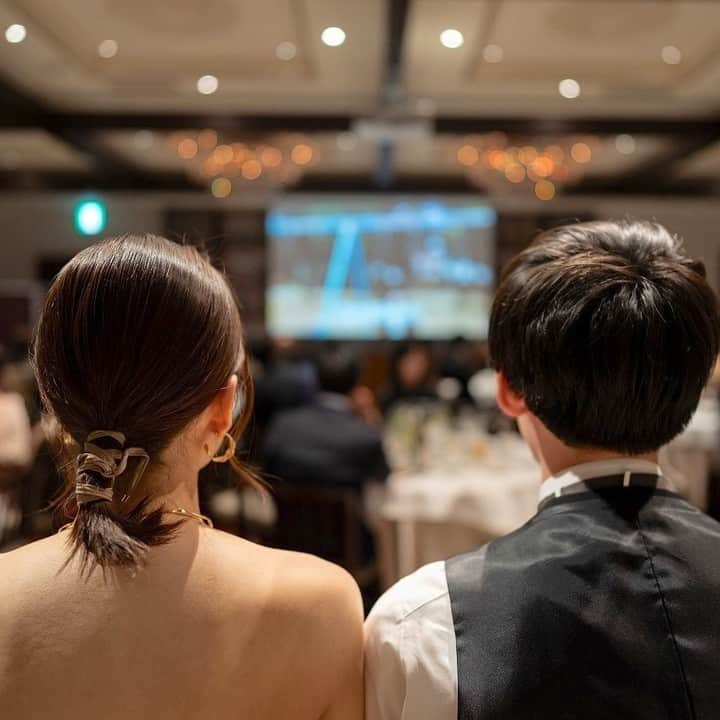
317	440
321	410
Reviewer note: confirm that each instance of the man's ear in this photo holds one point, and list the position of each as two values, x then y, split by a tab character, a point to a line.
220	410
507	399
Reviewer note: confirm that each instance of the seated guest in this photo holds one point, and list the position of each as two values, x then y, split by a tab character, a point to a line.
138	608
605	604
283	379
327	442
16	453
411	377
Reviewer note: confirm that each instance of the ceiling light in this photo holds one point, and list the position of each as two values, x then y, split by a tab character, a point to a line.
187	149
452	38
301	154
625	144
493	53
544	190
286	51
671	55
107	49
581	153
251	169
15	33
569	88
144	139
221	187
468	155
207	84
333	36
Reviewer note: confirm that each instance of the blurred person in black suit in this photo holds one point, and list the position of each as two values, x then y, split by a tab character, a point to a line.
411	376
284	378
332	441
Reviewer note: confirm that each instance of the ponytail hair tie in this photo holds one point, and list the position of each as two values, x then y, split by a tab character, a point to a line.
108	463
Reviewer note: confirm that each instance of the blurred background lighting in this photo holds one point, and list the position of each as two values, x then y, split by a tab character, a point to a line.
301	154
271	157
187	149
251	169
207	139
493	53
207	84
333	36
221	187
625	144
90	217
286	51
569	88
15	33
544	190
452	38
515	173
108	49
468	155
224	154
581	153
144	139
671	55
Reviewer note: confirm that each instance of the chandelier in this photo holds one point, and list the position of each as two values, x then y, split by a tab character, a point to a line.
227	165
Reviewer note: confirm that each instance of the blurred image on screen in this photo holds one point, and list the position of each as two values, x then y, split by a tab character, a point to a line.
380	268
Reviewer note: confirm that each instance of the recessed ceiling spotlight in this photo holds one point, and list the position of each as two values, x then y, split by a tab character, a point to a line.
286	51
108	49
333	36
207	84
452	38
15	33
671	55
569	88
493	53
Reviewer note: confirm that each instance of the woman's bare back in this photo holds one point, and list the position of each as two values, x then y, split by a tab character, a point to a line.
212	627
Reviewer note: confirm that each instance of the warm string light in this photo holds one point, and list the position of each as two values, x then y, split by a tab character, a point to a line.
227	166
543	169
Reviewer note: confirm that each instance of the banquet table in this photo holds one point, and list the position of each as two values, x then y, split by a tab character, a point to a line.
469	488
455	504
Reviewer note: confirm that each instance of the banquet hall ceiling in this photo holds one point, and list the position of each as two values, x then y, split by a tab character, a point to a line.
101	92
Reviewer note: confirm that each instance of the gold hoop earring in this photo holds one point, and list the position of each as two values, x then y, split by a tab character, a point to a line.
229	453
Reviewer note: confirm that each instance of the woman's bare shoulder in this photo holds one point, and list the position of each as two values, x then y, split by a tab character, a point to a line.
47	550
297	579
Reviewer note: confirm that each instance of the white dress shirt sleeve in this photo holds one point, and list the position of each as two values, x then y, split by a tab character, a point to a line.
410	656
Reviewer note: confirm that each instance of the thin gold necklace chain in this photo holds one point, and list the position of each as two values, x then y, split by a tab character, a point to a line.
182	512
203	519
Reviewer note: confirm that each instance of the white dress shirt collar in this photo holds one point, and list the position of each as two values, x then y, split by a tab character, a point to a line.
599	468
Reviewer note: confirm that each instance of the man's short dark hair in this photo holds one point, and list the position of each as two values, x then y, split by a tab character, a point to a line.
337	371
608	331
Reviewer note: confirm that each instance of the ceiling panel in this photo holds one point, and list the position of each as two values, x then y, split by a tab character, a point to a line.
165	45
614	49
37	150
703	165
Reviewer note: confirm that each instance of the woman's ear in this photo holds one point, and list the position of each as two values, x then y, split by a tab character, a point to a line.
507	399
221	408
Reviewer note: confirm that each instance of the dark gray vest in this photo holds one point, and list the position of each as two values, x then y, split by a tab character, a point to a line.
605	605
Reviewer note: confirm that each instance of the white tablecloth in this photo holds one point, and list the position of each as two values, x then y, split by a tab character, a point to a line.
450	508
458	503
